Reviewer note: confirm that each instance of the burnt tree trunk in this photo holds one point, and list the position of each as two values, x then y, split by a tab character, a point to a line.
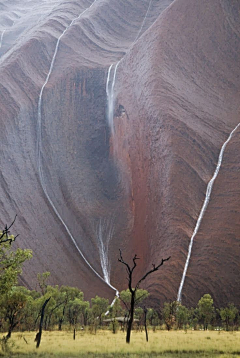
145	322
39	334
134	290
11	327
131	317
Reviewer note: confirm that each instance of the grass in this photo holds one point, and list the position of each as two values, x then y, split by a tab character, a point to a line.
105	344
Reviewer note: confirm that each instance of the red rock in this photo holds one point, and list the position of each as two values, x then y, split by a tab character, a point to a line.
177	94
179	87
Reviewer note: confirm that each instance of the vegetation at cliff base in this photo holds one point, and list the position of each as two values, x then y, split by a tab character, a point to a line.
68	326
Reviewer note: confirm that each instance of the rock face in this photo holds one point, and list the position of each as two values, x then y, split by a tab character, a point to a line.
141	187
182	85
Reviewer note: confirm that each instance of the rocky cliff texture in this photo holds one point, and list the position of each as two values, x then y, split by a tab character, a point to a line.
140	188
182	85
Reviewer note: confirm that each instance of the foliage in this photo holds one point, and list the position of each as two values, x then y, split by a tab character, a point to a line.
228	315
42	281
11	262
76	309
141	295
138	313
99	307
182	316
116	310
12	305
206	310
152	317
169	314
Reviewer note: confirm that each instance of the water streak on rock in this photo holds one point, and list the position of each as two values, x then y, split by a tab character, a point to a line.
39	148
104	234
204	207
111	83
1	38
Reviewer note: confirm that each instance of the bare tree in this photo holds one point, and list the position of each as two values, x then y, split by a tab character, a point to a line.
39	334
134	290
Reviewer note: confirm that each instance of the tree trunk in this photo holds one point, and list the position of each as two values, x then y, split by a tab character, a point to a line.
114	326
60	324
145	323
130	322
9	333
11	327
39	334
227	324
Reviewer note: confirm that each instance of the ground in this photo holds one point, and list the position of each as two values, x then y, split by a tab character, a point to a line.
106	344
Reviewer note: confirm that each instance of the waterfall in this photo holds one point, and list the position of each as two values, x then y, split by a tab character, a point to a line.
139	32
111	81
111	78
204	207
1	38
104	235
110	95
39	150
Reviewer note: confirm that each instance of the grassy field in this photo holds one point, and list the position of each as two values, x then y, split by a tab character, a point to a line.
105	344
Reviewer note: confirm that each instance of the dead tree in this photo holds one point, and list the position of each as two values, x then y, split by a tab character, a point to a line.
39	334
145	322
4	236
134	290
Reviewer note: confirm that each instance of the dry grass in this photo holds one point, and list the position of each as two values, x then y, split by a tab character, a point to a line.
105	344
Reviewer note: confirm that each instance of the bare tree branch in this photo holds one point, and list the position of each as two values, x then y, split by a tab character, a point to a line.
125	304
155	268
123	262
4	235
134	290
134	262
139	298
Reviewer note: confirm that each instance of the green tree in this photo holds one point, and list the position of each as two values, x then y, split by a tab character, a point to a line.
125	297
152	317
76	310
11	261
193	317
99	307
116	310
228	315
42	281
12	305
139	313
206	310
67	294
182	316
30	313
169	314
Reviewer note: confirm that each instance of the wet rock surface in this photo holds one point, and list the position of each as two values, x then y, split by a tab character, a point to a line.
176	101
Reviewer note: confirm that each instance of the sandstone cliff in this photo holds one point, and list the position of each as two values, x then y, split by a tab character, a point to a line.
140	188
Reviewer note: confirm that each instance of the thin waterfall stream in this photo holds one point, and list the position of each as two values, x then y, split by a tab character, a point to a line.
110	94
105	231
204	207
1	38
111	79
39	151
110	84
110	99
